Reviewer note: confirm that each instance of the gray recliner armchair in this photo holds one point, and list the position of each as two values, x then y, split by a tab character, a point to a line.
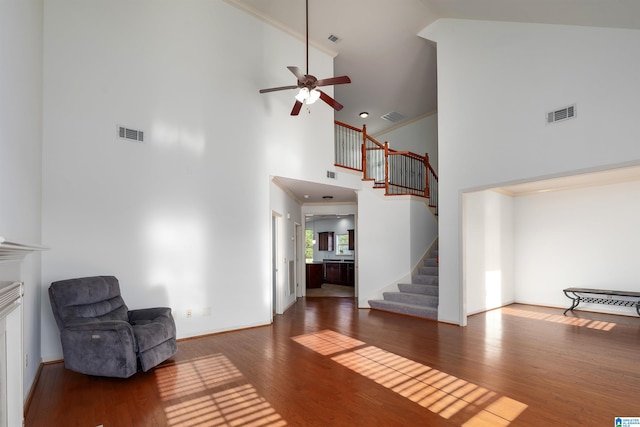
100	336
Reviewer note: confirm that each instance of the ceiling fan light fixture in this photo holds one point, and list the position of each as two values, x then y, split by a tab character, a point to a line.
302	95
307	96
314	95
307	83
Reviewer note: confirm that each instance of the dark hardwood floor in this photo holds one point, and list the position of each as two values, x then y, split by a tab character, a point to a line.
326	363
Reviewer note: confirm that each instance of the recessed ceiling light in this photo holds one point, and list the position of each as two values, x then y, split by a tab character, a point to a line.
364	115
306	196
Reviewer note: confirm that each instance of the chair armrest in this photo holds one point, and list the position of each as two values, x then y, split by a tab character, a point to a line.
147	314
142	319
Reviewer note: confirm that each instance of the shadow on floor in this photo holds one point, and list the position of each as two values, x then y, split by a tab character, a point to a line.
330	290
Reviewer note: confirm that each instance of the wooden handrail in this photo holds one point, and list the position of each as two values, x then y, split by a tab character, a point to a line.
379	144
433	171
407	153
344	125
399	172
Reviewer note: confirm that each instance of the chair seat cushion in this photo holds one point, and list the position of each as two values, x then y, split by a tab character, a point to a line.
150	333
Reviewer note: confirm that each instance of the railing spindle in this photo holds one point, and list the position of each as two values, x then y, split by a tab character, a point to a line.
400	172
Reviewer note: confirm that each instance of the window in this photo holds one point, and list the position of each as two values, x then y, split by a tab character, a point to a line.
308	245
342	245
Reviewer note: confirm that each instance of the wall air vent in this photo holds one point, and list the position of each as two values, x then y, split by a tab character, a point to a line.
392	116
331	174
562	114
131	134
333	38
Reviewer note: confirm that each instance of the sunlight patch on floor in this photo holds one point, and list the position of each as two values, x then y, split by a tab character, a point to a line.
430	388
211	391
327	342
556	318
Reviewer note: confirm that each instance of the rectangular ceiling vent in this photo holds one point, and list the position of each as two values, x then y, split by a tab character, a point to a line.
333	38
331	174
562	114
130	134
392	117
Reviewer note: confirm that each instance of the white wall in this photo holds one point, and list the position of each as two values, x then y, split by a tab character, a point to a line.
577	238
397	230
289	214
529	248
20	156
394	233
182	219
498	80
423	230
419	136
488	251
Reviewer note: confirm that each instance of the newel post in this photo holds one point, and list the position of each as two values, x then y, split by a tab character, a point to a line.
364	152
426	175
386	168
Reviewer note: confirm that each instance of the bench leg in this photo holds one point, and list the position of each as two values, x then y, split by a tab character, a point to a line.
576	300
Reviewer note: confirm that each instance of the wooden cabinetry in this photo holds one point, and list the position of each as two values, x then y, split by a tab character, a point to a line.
351	274
332	272
314	275
352	240
339	273
325	241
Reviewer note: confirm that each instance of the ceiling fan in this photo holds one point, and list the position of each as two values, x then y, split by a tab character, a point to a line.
308	84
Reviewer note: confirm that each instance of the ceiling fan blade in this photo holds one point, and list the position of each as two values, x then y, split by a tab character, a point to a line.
329	100
296	108
296	72
273	89
334	81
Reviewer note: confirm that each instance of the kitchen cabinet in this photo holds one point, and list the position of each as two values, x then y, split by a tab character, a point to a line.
325	241
332	272
352	240
315	275
351	274
339	273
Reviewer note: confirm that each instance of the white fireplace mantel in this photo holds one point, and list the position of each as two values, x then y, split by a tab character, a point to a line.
11	336
11	387
12	251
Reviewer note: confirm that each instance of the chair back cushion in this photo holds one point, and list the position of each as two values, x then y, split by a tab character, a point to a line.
76	301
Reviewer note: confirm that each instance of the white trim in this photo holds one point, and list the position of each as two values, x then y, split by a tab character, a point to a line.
12	251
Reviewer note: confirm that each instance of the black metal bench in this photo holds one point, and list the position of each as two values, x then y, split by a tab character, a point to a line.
602	296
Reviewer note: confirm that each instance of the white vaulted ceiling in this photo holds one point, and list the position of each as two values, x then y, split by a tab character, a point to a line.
392	69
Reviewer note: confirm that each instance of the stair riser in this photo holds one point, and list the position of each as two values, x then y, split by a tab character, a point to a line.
415	299
428	271
424	312
425	280
415	288
431	262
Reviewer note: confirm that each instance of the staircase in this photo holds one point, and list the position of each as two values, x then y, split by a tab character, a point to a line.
418	298
398	173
